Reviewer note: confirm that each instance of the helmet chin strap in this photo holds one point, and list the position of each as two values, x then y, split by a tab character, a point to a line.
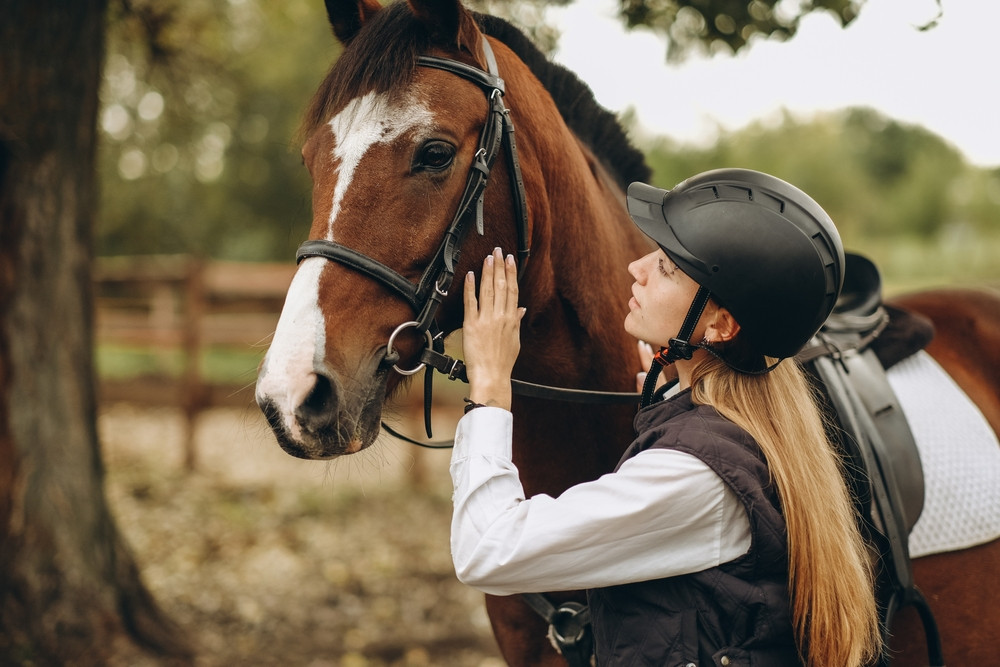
679	347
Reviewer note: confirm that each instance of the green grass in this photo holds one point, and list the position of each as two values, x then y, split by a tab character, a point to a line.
956	260
220	365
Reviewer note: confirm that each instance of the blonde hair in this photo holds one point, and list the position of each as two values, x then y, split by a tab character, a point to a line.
834	613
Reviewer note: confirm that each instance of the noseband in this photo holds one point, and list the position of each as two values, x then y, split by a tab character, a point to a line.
426	295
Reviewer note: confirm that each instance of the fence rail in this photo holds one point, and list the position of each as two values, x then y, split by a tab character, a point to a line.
184	304
181	305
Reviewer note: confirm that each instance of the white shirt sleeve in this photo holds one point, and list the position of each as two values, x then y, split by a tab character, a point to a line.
663	513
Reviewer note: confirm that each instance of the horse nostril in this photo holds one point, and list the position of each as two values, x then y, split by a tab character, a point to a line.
319	407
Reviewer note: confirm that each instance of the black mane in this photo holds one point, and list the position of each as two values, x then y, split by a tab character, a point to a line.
596	126
366	65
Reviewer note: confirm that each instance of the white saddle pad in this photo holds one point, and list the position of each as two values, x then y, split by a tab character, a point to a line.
960	457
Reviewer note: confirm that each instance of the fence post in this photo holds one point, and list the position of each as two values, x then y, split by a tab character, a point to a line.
193	394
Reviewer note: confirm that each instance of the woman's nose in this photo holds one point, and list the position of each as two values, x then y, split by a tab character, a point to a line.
637	269
633	268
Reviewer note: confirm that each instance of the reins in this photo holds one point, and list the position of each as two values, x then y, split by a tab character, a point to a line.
426	295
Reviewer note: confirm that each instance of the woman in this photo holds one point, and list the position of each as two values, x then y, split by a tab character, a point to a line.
726	535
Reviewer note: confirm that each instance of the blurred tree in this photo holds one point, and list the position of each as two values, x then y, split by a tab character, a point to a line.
877	177
202	100
729	25
70	592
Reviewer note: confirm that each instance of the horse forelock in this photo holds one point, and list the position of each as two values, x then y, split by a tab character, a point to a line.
367	65
597	127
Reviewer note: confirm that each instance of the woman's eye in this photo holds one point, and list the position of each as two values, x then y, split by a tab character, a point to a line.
435	156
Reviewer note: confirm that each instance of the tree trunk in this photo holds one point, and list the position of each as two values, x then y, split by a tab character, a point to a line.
70	592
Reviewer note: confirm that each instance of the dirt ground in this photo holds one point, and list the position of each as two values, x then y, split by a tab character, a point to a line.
269	560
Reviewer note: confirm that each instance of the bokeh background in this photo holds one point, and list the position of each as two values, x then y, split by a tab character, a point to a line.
270	560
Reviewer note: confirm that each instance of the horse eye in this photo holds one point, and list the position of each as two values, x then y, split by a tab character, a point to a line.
435	156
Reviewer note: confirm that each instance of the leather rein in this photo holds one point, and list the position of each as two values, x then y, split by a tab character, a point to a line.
426	295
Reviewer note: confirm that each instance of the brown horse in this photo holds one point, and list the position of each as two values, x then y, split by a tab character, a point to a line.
395	144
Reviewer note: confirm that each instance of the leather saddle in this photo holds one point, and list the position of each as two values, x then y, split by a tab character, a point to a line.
849	358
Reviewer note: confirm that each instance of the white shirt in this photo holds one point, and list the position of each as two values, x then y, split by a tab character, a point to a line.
663	513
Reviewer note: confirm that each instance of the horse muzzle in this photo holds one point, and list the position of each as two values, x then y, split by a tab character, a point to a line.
317	415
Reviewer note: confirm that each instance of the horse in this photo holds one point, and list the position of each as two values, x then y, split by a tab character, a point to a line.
401	141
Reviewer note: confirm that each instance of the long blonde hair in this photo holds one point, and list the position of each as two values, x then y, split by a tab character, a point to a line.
834	613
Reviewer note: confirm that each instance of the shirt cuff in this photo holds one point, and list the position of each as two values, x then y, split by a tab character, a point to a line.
485	431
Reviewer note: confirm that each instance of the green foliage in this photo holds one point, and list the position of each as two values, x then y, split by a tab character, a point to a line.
877	176
896	191
728	25
202	100
222	365
201	104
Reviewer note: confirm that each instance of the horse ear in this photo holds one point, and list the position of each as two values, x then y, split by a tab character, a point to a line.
347	16
449	23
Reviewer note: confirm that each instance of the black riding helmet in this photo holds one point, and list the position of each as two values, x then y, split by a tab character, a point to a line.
761	247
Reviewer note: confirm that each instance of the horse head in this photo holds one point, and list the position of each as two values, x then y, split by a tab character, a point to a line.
389	145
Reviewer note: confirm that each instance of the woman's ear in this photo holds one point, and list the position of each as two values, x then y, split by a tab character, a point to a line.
721	327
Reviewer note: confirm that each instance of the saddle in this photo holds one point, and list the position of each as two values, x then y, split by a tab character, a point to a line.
849	358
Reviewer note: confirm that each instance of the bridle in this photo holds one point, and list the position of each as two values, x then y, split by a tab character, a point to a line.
426	295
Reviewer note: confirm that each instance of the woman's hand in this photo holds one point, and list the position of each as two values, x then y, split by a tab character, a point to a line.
491	331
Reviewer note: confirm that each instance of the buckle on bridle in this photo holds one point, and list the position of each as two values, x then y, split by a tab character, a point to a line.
392	337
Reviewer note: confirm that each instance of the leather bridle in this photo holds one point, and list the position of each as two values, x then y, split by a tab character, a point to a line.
426	295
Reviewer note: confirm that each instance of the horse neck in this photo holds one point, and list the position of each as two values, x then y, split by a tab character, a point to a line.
576	290
577	286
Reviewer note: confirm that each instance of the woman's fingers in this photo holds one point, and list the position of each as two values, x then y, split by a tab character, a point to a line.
510	269
498	288
486	286
469	294
500	282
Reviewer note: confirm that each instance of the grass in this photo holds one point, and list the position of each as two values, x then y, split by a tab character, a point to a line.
222	365
954	260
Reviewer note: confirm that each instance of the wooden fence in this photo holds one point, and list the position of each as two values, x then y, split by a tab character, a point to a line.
184	305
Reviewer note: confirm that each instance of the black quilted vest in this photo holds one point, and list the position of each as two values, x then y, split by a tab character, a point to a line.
734	614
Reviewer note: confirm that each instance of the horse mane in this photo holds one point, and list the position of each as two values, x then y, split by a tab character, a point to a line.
366	65
593	124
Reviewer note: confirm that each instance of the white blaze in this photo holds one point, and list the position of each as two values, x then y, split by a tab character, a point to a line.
299	344
363	123
286	376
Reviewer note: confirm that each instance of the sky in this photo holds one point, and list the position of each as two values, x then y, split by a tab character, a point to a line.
946	79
